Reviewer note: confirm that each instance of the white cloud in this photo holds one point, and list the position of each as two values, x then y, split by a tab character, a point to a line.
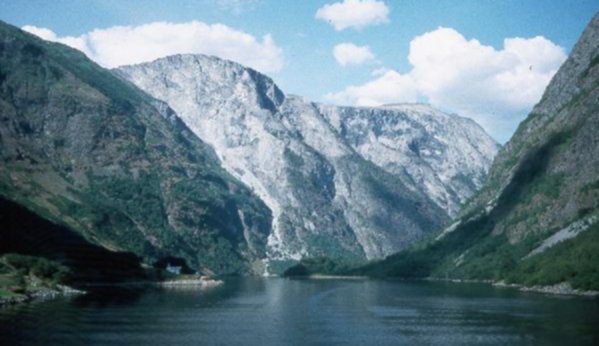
466	75
123	45
44	33
49	35
350	54
496	87
354	13
390	87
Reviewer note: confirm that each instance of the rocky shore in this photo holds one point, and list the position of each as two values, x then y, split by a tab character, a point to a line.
563	288
201	282
334	277
41	293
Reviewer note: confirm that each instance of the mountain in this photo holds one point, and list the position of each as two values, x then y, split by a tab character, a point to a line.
93	154
535	222
342	182
446	156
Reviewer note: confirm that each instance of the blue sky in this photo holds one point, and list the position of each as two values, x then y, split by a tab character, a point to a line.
301	45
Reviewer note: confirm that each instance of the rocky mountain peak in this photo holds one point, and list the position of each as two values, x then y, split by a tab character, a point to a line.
340	181
222	78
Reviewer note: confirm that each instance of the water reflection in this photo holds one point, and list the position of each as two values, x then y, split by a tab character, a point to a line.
106	296
305	312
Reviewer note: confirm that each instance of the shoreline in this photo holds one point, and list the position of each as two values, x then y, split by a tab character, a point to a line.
65	291
40	294
201	282
332	277
560	289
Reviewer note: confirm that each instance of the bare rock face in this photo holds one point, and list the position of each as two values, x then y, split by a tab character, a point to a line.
347	182
445	156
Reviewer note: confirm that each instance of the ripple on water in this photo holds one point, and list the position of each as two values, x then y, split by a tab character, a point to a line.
305	312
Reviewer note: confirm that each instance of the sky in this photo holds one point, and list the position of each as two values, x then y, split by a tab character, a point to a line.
488	60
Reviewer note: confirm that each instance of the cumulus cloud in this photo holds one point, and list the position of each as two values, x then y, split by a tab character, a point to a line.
390	87
355	14
350	54
464	74
496	87
123	45
48	35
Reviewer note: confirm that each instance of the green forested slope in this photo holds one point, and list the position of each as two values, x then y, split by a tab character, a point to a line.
91	152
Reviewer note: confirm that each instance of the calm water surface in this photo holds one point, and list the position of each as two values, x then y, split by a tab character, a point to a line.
305	312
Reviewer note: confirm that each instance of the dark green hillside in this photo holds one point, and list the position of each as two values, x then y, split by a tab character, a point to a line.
26	233
90	152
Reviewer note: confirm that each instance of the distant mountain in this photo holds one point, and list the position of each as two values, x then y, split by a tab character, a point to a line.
536	221
357	183
445	156
91	152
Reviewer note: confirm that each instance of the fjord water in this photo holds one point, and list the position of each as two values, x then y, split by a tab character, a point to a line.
305	312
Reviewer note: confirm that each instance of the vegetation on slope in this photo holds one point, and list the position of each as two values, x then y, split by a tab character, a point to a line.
91	152
321	265
474	251
542	182
21	275
25	233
